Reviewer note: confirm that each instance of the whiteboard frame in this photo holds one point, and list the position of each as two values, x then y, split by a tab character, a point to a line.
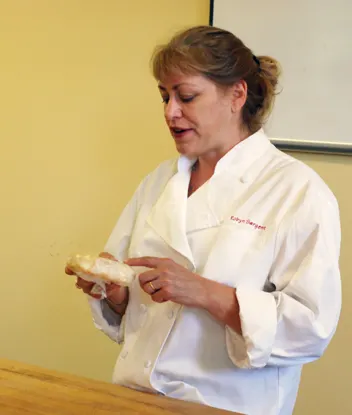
306	146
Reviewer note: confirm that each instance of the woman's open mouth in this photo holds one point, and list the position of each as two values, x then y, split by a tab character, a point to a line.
179	133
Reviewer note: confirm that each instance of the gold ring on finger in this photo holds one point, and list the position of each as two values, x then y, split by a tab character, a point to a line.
152	286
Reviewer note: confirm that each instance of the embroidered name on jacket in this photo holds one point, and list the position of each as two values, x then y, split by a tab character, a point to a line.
248	222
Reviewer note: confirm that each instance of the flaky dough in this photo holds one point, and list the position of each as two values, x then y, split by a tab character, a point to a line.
97	269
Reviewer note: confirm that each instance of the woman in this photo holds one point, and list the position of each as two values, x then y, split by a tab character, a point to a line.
240	282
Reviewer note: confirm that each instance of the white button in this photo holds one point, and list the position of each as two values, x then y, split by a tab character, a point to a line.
143	308
147	364
189	266
124	354
171	315
244	179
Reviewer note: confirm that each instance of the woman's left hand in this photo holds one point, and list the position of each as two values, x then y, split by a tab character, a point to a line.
169	281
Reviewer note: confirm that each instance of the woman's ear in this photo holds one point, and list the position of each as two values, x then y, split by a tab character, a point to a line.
239	95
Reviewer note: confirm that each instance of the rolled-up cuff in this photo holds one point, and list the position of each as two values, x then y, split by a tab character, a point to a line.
258	315
107	320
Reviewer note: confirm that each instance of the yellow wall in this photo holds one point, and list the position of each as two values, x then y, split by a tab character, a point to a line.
80	124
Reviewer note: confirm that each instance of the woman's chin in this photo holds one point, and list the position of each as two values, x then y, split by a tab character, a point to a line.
187	150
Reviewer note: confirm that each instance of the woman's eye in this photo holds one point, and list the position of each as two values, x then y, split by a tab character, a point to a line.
184	99
187	99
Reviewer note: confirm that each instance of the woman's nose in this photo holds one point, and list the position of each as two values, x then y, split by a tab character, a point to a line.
172	110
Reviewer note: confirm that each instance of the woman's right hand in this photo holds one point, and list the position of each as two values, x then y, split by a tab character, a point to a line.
115	294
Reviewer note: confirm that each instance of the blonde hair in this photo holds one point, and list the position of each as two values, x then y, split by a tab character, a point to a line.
224	59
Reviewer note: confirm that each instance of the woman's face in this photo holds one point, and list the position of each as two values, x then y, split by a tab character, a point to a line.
200	115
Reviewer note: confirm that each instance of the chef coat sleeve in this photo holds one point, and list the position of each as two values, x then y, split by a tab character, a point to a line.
117	245
295	322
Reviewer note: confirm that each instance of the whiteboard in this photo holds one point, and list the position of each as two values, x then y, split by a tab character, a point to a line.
312	39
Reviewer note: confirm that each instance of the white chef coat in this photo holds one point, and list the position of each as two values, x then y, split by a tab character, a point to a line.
265	224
